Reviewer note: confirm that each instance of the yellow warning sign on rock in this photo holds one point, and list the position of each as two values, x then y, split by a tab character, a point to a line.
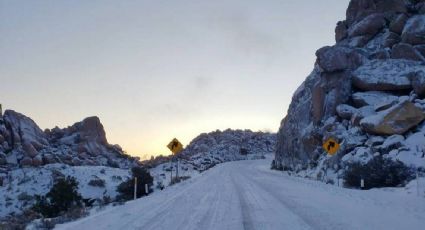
331	146
175	146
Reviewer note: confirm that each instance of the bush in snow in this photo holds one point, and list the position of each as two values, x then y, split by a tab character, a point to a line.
243	151
275	166
378	172
126	189
97	183
61	198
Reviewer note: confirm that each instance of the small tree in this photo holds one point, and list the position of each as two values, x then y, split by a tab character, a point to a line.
126	189
378	172
62	197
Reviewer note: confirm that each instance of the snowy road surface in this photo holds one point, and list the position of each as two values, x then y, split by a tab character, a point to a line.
247	195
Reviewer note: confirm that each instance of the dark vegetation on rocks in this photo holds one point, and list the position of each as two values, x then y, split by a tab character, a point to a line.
126	189
62	197
377	173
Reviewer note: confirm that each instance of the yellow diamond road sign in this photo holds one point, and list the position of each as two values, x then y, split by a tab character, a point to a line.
175	146
331	146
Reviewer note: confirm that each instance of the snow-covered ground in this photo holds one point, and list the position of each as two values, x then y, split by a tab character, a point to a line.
24	183
248	195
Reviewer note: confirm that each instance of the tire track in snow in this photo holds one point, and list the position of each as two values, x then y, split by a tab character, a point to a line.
246	217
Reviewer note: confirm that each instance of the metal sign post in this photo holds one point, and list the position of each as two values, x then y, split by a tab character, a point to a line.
417	182
177	168
176	147
171	171
135	188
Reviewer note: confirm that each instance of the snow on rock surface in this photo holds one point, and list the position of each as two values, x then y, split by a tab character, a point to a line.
396	120
381	93
373	98
414	30
386	74
369	25
216	147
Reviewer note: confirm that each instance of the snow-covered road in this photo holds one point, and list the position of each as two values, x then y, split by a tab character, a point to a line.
248	195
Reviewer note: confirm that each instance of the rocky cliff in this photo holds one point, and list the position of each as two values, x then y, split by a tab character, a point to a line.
24	144
367	91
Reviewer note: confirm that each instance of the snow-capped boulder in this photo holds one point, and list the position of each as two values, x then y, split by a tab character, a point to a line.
397	24
359	9
49	158
26	161
346	111
336	58
374	141
392	142
341	31
388	40
24	130
414	30
371	98
29	149
86	136
37	161
360	154
369	25
406	51
381	75
418	83
416	142
395	120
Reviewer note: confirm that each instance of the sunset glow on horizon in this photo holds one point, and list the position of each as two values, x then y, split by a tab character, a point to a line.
155	70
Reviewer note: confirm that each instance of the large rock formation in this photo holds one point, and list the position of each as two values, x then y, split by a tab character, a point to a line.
23	143
368	86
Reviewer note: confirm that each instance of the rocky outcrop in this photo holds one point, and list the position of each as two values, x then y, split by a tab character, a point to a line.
360	9
414	30
368	86
24	144
369	25
22	129
87	136
332	59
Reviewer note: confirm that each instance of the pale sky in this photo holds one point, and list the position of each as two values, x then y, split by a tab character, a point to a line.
154	70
